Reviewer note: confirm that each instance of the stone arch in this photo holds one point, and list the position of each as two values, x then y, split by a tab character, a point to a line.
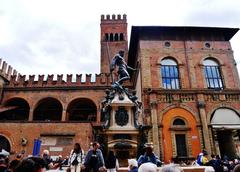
169	133
177	60
5	143
225	122
185	107
233	119
82	109
48	109
15	108
218	60
220	105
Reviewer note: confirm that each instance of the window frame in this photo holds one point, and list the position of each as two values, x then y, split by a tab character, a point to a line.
212	74
170	74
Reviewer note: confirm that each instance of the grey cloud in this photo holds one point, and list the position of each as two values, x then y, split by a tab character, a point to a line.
53	48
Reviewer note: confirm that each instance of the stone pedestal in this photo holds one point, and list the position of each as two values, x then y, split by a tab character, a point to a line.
121	130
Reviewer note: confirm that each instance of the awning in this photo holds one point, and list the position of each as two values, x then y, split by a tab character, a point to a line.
226	126
6	108
225	118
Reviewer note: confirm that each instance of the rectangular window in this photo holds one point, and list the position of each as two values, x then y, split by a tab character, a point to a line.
213	77
170	76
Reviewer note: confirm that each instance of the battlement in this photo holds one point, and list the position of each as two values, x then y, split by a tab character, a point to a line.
114	18
6	71
68	81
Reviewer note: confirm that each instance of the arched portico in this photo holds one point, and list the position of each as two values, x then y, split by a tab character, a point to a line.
226	128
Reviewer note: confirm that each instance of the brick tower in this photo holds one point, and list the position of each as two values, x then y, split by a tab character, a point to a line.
113	38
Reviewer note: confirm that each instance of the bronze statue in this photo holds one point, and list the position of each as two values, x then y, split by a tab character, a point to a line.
123	74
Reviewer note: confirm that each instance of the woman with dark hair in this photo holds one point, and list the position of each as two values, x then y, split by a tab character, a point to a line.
111	162
76	158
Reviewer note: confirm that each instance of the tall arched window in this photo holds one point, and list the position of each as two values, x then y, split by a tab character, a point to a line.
116	37
111	36
121	37
212	74
106	37
170	74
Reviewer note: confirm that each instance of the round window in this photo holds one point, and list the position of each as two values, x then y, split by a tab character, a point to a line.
167	44
207	45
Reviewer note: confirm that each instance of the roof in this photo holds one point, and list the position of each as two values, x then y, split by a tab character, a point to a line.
175	33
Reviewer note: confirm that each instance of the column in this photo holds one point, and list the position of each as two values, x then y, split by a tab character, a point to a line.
203	117
154	121
64	115
30	117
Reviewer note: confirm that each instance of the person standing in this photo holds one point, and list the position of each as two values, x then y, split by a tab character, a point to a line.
76	158
149	156
94	159
111	162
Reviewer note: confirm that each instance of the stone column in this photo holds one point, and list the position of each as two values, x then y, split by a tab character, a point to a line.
30	117
98	115
203	117
64	115
154	121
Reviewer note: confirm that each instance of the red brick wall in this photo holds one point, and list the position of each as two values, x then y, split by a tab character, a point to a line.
15	131
109	49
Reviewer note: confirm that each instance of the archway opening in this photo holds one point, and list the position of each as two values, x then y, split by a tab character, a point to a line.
83	110
226	126
15	109
48	109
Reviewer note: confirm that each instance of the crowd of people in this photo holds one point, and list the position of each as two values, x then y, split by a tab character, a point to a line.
219	165
93	161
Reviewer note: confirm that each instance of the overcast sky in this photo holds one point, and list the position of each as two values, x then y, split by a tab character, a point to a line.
63	36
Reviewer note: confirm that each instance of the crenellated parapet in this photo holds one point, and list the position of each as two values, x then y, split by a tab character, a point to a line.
114	18
6	71
69	80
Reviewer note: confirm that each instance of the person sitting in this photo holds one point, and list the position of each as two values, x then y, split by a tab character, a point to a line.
149	156
47	158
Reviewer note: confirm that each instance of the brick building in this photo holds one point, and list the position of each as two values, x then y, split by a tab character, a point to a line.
187	80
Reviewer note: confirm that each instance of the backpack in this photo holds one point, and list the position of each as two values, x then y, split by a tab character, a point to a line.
75	161
199	159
